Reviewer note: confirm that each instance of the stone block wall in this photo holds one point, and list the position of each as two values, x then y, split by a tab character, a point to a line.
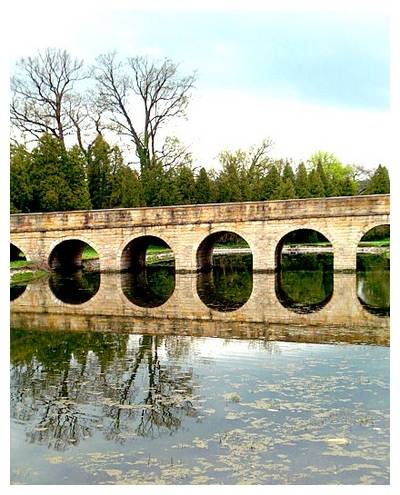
343	221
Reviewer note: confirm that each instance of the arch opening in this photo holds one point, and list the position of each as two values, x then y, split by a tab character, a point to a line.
145	251
150	287
16	290
225	290
17	257
17	261
223	249
225	281
72	255
373	270
148	264
304	276
75	287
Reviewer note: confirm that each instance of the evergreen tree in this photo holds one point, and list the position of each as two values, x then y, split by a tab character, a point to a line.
271	184
185	185
379	182
20	182
159	188
348	187
288	173
301	182
99	173
334	186
203	188
229	179
49	186
324	179
77	197
315	185
286	189
126	189
125	186
254	181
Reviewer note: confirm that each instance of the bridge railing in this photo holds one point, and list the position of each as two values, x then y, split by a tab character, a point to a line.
208	213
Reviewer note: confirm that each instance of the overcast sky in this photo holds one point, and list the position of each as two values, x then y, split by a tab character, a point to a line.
308	79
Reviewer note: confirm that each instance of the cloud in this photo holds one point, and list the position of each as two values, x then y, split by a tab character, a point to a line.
219	120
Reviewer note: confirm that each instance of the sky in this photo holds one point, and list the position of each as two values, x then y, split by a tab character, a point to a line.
308	75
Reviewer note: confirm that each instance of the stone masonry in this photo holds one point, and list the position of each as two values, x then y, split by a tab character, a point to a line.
191	230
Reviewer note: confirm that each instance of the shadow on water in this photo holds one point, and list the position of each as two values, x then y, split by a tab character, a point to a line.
149	287
74	287
373	283
304	283
228	285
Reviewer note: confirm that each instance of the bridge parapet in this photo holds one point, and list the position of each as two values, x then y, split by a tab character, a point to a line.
342	220
239	212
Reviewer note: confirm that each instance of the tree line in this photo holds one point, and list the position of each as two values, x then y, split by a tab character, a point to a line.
51	177
65	117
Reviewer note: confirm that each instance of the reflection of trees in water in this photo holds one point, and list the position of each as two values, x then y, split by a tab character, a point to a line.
74	287
150	287
66	384
228	285
373	283
305	282
163	402
266	346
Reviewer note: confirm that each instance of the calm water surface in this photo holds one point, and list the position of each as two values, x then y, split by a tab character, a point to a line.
118	406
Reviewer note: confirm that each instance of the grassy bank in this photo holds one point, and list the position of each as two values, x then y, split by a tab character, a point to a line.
20	264
380	243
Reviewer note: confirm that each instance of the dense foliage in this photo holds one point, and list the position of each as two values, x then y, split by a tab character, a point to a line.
51	177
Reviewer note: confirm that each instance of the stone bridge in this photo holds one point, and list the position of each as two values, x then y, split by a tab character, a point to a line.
121	236
343	317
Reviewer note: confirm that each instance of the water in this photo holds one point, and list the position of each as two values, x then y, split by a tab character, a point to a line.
222	378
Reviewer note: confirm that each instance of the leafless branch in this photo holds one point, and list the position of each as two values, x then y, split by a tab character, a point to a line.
40	92
163	96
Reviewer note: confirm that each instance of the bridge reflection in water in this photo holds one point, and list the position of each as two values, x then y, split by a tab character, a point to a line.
188	304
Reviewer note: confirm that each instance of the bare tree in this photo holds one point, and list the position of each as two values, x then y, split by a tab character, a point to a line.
162	95
86	114
41	90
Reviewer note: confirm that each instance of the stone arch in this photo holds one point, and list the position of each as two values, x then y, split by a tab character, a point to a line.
370	227
304	283
205	249
74	288
374	310
298	306
373	272
133	253
16	291
148	288
66	254
15	252
289	232
238	293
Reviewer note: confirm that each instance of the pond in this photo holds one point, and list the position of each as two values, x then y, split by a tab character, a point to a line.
226	377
